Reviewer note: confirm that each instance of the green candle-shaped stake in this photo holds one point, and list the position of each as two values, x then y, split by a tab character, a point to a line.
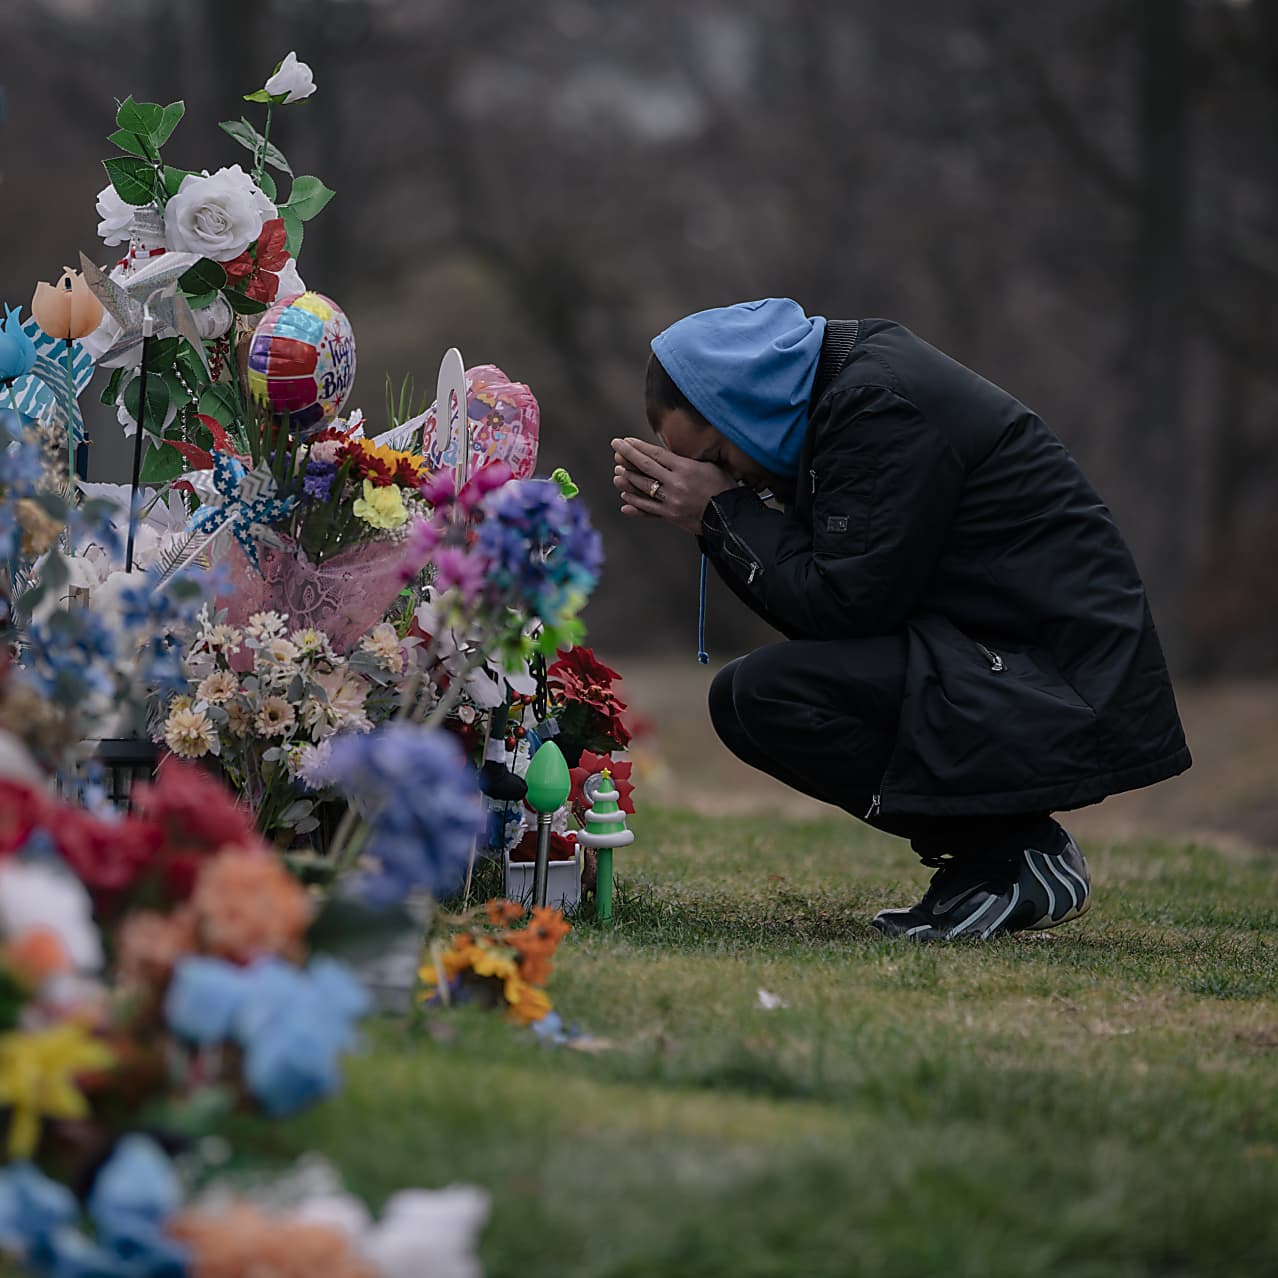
605	830
549	785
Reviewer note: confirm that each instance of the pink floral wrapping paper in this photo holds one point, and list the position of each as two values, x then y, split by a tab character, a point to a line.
345	596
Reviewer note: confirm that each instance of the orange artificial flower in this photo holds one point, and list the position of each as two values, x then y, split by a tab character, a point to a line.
67	309
247	905
503	913
36	955
536	943
149	945
244	1241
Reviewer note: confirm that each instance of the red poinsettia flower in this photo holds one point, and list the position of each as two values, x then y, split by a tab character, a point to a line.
582	680
579	669
586	768
259	263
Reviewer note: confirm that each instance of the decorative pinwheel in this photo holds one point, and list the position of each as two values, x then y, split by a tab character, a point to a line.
154	287
248	502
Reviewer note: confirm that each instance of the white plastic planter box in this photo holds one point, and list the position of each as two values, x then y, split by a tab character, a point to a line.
563	882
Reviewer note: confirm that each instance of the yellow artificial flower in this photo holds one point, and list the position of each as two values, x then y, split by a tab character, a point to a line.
527	1002
38	1071
489	962
381	507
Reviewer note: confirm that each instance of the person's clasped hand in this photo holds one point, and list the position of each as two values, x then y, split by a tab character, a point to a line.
654	481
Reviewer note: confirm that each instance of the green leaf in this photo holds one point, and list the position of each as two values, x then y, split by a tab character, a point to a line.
221	403
157	402
261	95
198	301
133	179
169	118
293	230
268	186
173	179
160	354
144	118
189	365
308	197
161	464
243	132
111	391
242	304
249	138
179	396
127	141
270	152
205	276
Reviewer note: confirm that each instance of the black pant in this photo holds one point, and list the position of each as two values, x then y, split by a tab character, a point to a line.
821	715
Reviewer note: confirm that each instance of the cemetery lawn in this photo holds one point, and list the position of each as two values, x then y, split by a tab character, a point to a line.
1102	1100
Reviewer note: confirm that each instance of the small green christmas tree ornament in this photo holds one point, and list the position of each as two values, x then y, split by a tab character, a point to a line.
605	829
549	784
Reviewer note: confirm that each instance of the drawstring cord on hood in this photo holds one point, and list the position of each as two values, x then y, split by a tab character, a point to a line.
702	655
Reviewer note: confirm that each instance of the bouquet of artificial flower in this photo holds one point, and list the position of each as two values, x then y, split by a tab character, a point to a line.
494	964
263	700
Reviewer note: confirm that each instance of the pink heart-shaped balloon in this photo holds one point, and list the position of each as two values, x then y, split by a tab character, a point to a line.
504	425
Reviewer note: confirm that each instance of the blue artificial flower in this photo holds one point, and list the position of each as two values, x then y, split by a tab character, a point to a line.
136	1188
422	801
133	1196
17	350
31	1205
540	551
292	1023
204	997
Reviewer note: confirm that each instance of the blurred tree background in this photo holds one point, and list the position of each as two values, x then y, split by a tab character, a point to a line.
1074	197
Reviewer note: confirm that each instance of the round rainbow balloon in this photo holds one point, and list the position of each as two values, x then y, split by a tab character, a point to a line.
301	361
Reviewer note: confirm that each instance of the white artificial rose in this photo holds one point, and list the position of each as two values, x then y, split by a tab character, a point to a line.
292	77
117	216
291	284
429	1233
217	216
36	894
213	320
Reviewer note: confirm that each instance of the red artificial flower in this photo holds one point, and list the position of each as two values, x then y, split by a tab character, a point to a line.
563	847
580	668
107	856
367	465
196	815
580	677
22	809
586	768
258	265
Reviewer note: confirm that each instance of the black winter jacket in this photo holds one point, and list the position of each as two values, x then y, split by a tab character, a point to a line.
931	501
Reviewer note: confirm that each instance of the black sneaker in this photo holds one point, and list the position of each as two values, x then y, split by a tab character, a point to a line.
1031	892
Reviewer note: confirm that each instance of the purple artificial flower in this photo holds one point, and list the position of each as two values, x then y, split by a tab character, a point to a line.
459	569
317	480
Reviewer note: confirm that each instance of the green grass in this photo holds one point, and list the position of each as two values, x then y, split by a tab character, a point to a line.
1098	1101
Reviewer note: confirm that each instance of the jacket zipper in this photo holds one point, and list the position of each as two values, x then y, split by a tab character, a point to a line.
812	473
875	803
750	560
996	662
